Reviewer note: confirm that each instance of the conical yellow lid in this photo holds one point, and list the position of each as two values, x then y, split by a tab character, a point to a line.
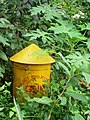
32	55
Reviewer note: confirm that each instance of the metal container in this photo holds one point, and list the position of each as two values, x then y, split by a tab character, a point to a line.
32	68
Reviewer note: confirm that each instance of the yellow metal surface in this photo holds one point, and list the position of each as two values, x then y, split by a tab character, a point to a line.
32	55
31	70
33	78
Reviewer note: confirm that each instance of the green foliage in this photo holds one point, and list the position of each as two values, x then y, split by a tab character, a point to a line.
78	117
77	96
3	56
2	70
62	28
48	11
39	34
7	109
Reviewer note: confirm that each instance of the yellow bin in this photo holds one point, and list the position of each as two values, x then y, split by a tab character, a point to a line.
31	70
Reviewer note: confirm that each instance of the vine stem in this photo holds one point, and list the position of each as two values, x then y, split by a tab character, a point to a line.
49	117
39	2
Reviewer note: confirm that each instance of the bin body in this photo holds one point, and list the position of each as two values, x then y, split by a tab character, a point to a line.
31	70
33	78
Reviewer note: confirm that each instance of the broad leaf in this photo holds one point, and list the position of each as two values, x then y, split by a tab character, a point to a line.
86	67
11	113
87	77
78	60
1	109
43	100
4	23
68	29
27	35
79	117
60	28
18	110
3	55
36	10
85	27
77	96
48	12
8	83
74	33
13	109
88	0
63	100
64	59
4	40
74	109
2	88
2	70
67	117
88	44
39	34
65	68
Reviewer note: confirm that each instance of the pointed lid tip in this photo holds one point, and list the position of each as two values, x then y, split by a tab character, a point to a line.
32	54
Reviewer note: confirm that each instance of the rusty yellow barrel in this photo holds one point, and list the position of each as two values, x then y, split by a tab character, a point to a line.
32	68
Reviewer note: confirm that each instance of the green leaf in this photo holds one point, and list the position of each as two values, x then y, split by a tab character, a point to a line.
85	27
86	67
43	100
3	20
67	117
27	35
65	68
2	88
44	39
3	55
88	44
2	71
77	96
79	117
36	10
87	77
13	109
59	29
88	0
6	92
70	89
4	23
65	27
74	109
78	60
63	100
44	36
1	109
18	110
4	40
11	113
48	12
76	34
8	83
64	59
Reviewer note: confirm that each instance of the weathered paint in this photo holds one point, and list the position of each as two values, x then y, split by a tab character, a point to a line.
33	78
31	70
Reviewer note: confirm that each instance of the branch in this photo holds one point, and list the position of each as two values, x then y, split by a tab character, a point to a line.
58	98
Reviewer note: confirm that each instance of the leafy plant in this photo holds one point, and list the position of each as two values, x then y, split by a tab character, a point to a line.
61	27
7	109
